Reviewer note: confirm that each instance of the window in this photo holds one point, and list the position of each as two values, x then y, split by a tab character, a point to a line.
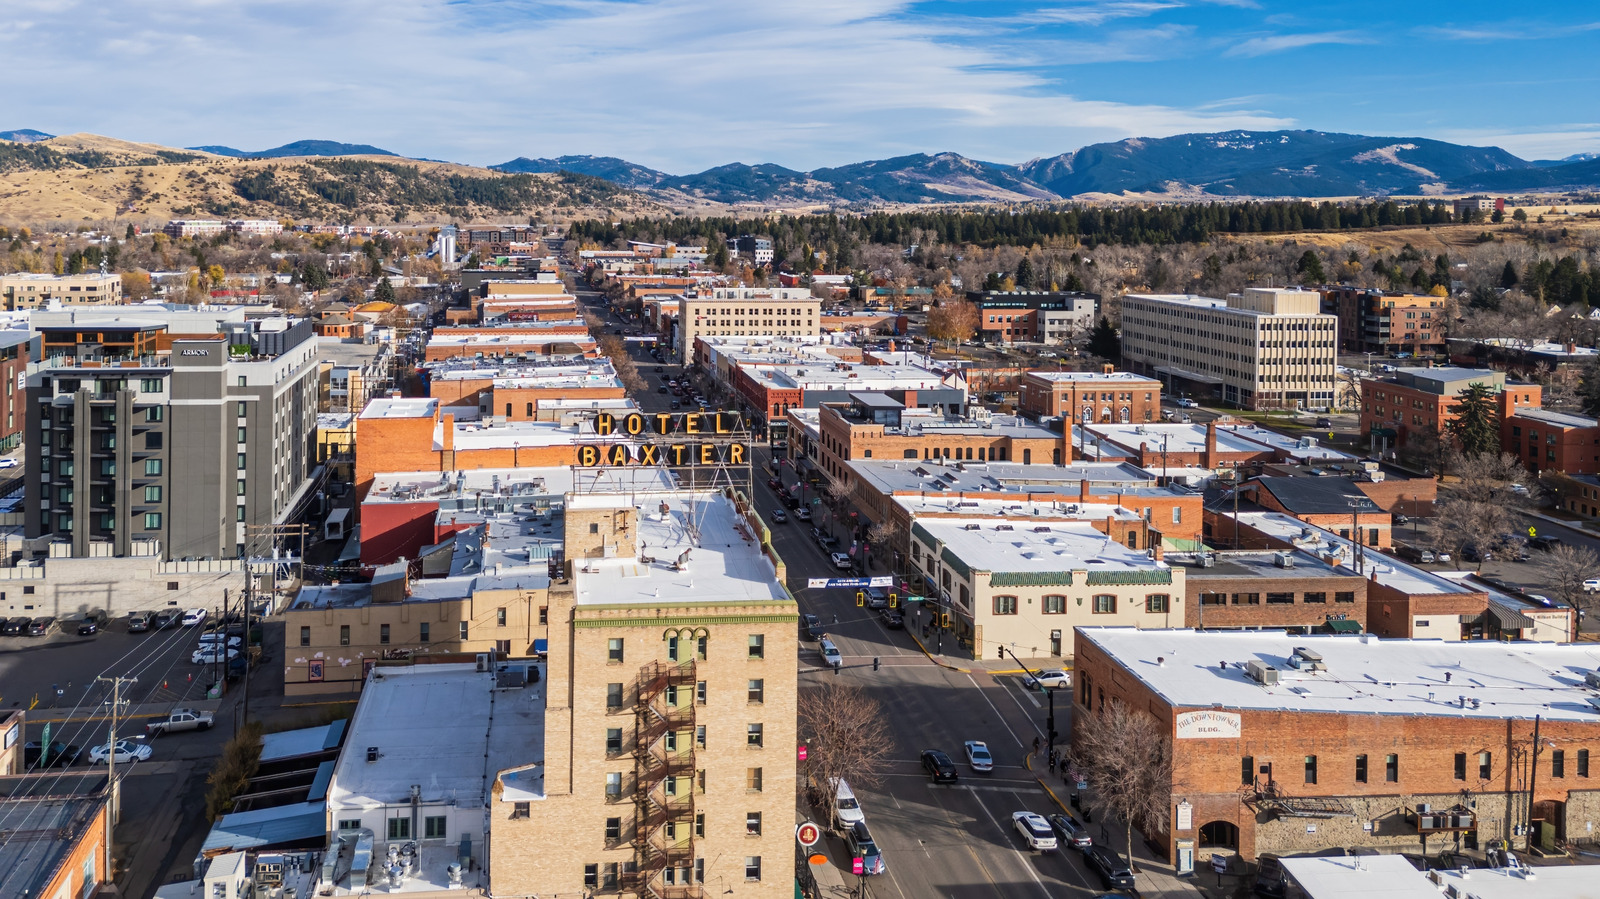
700	824
613	740
1247	770
1461	766
433	827
152	467
1177	515
608	876
383	633
1155	602
241	410
1344	596
241	461
399	829
700	647
1391	768
1361	768
1558	763
752	824
241	436
613	830
591	876
614	650
424	632
672	649
752	780
1485	763
753	736
152	494
1005	605
756	691
305	635
1105	604
344	635
544	615
613	785
613	696
154	413
758	647
1213	599
152	385
1311	769
1315	597
700	736
500	617
349	823
1583	764
1280	599
1053	605
752	867
700	693
1246	599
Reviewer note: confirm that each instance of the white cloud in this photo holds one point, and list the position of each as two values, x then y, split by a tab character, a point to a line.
1507	31
1092	13
1556	143
677	84
1278	43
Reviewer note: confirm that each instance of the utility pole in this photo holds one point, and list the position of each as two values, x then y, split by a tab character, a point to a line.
1049	692
113	798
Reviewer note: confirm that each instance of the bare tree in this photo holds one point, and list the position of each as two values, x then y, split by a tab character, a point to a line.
1569	567
613	348
845	740
837	493
1126	755
1481	511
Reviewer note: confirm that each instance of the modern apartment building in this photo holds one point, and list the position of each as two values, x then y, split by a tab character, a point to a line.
136	433
1034	316
27	290
1267	348
194	228
1372	321
756	249
746	312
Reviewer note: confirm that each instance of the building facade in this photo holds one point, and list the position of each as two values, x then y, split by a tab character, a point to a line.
1372	321
1552	441
1414	404
1034	316
26	290
1086	396
1267	348
746	312
193	446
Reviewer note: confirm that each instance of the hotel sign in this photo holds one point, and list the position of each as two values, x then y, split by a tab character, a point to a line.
667	438
1208	725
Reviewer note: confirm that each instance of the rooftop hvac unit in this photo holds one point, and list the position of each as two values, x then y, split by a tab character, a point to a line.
1262	673
1283	560
1208	560
1592	679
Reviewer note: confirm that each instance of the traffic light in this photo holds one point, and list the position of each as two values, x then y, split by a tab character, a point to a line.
874	663
894	600
944	619
861	598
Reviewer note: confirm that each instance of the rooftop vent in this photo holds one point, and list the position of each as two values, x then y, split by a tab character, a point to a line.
372	753
1283	560
1307	659
1042	529
979	527
1592	679
1262	673
1004	527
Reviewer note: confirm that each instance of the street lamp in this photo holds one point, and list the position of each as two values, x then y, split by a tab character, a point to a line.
1050	695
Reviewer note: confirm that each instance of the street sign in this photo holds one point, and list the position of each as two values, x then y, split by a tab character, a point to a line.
856	867
801	755
808	834
856	583
1533	531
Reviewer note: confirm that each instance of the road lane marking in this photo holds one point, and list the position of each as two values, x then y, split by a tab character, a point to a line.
997	714
1027	861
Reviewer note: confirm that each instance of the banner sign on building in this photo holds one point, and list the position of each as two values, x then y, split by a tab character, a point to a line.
1208	725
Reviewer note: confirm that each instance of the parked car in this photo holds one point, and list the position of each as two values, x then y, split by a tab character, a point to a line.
212	638
1592	585
1049	679
779	516
774	483
91	623
60	756
892	619
165	619
830	654
210	654
841	561
661	390
790	500
846	808
193	617
139	622
1545	542
1035	831
1474	554
861	845
126	751
181	719
1441	555
1186	403
15	627
812	625
1324	422
938	766
978	757
1071	832
41	626
803	513
1113	871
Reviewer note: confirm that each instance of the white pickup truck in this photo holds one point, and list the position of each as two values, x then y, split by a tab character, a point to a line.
181	719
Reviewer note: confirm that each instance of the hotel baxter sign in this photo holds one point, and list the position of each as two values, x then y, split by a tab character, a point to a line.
667	438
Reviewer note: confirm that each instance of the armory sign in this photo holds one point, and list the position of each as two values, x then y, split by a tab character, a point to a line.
1208	725
689	438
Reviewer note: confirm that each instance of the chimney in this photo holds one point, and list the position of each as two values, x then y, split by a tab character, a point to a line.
1108	368
1210	458
1083	491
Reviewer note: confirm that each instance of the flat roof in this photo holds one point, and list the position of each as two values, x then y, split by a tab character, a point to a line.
1256	563
1559	419
1181	438
503	434
725	561
446	728
1318	542
1361	877
42	831
1294	447
1046	509
400	407
1542	882
305	741
516	485
926	423
915	476
1365	674
1060	376
985	544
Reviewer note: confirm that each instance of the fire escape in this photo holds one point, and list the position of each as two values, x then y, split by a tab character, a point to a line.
664	770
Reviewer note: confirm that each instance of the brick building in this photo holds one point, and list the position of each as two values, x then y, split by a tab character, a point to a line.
1552	441
1087	396
1372	321
57	847
836	433
1335	504
745	312
1034	316
1253	590
1287	743
1415	402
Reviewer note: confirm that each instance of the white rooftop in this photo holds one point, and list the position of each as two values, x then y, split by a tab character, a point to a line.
1542	882
1296	447
1559	419
1365	674
504	434
1386	570
511	336
725	560
443	727
851	376
1046	510
1360	877
397	407
1066	545
916	475
497	371
1180	438
1068	376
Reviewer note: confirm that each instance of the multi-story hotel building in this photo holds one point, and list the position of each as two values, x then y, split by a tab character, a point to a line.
1267	348
746	312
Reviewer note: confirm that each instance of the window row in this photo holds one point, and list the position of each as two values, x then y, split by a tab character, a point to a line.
1099	604
754	738
677	645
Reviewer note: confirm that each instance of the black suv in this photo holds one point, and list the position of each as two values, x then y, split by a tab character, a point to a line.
938	766
1113	871
15	627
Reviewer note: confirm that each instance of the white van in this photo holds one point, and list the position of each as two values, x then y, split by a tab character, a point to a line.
846	810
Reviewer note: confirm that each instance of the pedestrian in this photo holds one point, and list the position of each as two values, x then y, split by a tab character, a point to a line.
1035	745
835	617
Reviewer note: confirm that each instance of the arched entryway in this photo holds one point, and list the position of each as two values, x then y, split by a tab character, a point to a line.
1219	835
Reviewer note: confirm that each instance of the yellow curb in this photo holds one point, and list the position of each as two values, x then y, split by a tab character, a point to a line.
1028	763
934	660
95	717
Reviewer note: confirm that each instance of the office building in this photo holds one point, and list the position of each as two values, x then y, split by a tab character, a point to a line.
1267	348
199	442
1372	321
1414	403
746	312
756	249
26	290
1034	316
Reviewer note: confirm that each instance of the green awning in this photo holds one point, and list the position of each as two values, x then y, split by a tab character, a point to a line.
1344	626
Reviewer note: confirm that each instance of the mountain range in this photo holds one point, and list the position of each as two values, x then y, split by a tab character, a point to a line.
1229	164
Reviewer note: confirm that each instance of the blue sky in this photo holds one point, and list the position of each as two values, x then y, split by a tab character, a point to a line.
682	85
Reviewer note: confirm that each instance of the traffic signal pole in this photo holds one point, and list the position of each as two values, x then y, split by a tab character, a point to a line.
1049	693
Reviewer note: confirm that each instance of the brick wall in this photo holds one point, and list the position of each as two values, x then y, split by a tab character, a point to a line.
1237	610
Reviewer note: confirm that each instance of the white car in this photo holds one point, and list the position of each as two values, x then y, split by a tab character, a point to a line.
1035	831
1050	679
1186	403
841	561
830	654
193	617
127	751
210	654
1592	585
9	463
216	637
846	808
978	756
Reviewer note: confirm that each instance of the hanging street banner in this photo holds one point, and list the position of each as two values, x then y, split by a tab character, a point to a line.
822	583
